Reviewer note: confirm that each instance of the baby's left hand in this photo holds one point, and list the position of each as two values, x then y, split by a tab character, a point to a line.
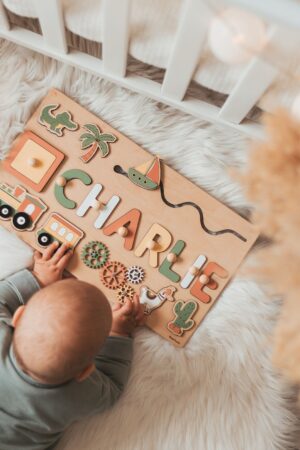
127	317
49	266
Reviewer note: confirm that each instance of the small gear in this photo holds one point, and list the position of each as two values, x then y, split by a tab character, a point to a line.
94	254
135	274
113	274
125	292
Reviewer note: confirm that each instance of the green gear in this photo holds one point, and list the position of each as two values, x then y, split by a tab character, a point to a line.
95	254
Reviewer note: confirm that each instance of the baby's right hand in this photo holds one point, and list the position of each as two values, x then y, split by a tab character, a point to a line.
127	317
48	266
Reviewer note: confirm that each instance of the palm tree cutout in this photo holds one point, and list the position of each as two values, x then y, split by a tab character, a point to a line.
94	140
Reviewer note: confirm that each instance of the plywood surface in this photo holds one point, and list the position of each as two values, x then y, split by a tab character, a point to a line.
183	223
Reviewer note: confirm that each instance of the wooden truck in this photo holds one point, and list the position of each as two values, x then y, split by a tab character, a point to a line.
22	208
57	228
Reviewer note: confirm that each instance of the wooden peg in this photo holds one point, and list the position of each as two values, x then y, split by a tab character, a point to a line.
61	181
204	279
123	231
193	270
172	258
151	245
33	162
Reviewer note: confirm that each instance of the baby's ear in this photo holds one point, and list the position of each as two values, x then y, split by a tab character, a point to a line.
17	315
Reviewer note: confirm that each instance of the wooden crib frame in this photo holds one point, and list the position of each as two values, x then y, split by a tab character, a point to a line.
190	37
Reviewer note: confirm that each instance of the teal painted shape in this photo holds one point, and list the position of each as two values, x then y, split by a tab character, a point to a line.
77	174
56	124
62	199
59	191
184	312
141	180
165	267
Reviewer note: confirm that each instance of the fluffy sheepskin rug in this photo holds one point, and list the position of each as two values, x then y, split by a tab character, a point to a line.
220	392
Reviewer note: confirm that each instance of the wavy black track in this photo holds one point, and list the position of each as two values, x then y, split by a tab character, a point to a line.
118	169
207	230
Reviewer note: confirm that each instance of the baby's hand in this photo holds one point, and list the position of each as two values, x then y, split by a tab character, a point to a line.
48	266
127	317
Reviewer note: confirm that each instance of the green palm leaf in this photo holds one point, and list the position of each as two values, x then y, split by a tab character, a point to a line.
87	142
94	129
104	148
108	137
86	135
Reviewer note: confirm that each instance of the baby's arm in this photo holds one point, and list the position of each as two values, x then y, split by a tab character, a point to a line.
17	289
114	361
113	367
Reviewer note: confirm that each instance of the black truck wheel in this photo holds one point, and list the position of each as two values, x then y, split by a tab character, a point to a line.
44	239
21	221
6	211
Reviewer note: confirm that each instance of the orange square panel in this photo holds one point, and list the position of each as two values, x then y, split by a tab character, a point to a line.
33	161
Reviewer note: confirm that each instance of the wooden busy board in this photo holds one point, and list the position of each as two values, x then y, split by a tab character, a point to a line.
44	164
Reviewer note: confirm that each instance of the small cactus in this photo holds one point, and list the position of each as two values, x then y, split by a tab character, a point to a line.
183	317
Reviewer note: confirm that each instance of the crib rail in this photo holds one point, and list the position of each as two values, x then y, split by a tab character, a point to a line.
191	35
4	24
116	36
52	24
256	78
188	45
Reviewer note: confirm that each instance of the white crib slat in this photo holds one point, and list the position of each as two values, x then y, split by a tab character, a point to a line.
189	41
115	36
50	15
255	80
4	24
257	77
142	85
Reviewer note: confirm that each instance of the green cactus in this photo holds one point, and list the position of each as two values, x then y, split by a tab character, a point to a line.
183	317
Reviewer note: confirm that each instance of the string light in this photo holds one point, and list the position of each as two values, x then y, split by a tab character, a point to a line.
215	10
235	36
244	46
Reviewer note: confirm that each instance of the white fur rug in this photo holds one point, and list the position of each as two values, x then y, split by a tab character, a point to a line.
220	392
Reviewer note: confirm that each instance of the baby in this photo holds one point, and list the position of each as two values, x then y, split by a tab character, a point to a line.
64	354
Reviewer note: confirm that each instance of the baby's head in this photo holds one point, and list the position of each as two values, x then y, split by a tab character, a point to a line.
61	330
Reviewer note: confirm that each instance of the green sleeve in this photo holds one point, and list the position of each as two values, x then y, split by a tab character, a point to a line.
113	367
15	291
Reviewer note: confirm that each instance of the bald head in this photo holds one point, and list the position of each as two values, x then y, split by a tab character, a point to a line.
61	330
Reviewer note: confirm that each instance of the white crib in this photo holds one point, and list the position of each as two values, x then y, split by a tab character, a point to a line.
249	86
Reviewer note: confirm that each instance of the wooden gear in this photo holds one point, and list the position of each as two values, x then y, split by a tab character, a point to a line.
113	274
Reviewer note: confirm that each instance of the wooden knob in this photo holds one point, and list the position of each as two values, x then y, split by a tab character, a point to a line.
123	231
171	257
96	204
151	245
193	270
32	162
61	181
204	279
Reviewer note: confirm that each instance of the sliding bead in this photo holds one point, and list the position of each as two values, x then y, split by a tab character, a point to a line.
172	258
122	231
204	279
151	245
193	270
61	181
